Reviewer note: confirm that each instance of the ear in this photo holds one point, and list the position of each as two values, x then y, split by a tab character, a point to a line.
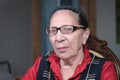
86	35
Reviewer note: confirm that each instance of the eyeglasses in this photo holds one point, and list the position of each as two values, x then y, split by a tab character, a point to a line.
66	29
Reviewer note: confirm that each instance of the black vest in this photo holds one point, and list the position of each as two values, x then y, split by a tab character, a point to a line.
92	72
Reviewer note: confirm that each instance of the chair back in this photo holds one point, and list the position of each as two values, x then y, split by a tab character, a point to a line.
99	48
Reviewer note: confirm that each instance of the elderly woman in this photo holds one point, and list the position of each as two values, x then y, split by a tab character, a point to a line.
70	59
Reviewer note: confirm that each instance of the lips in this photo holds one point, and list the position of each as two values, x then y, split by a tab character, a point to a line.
62	49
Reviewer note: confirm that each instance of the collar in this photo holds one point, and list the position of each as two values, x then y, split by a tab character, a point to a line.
55	63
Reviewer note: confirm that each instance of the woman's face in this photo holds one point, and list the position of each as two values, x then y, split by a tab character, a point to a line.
67	45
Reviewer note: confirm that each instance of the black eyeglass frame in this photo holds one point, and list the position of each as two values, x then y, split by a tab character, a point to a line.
74	29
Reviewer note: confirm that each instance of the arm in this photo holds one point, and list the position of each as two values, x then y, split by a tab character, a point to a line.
108	71
32	72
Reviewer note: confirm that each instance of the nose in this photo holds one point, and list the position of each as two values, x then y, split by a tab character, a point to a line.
59	37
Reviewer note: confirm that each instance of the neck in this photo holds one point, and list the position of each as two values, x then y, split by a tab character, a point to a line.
72	62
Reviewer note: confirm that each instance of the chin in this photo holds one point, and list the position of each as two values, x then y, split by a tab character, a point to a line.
63	57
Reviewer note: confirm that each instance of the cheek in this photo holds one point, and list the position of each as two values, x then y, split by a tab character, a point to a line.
78	38
76	41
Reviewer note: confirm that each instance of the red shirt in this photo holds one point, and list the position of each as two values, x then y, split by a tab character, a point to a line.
108	70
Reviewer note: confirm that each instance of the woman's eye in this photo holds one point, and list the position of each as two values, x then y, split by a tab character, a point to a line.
52	31
68	29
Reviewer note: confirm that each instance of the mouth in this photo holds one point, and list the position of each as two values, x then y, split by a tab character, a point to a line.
62	49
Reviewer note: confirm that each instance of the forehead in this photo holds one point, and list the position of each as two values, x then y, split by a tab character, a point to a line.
65	11
65	14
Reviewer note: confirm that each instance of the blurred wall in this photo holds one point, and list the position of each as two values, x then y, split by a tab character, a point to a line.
46	10
106	23
16	34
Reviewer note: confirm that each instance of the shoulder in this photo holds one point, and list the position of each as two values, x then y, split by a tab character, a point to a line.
109	71
35	66
37	62
32	71
109	67
108	64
